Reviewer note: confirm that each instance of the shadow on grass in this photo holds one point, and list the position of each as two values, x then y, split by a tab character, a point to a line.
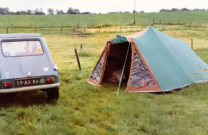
24	99
124	86
169	92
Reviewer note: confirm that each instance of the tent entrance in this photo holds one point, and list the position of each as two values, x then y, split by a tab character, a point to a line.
116	55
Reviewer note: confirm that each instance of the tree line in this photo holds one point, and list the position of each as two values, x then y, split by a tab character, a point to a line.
39	11
182	9
50	11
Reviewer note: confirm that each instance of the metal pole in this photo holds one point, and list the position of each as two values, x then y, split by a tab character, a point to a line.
134	13
123	70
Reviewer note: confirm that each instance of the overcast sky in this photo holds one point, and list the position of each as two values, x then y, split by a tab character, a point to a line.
103	6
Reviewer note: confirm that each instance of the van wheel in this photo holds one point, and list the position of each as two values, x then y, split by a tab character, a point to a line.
53	93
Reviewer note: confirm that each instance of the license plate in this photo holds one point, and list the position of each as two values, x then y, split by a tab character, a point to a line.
27	82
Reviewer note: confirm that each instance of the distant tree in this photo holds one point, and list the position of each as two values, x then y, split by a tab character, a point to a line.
21	13
185	9
4	10
162	10
29	11
86	13
11	13
196	9
59	11
39	12
174	9
76	11
50	11
72	11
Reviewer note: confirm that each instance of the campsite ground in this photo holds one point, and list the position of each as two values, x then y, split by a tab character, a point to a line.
86	109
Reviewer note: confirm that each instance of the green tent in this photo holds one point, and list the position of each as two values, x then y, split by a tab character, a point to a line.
155	62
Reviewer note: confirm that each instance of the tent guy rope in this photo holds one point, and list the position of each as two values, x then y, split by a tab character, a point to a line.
123	70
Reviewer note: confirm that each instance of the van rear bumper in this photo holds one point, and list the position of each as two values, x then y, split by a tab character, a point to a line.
30	88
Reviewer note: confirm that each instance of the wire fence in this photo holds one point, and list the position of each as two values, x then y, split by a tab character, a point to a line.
99	29
195	35
70	30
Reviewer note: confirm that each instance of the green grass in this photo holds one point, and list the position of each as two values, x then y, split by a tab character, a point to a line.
84	109
200	17
181	112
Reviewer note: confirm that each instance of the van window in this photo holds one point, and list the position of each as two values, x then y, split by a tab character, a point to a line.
21	48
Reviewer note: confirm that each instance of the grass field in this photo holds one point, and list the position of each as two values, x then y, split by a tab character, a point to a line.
84	109
92	20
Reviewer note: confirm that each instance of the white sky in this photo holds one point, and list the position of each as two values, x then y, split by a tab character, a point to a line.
103	6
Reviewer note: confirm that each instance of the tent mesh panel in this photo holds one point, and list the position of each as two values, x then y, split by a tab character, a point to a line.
140	76
98	69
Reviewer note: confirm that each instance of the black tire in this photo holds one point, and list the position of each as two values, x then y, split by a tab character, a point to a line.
53	93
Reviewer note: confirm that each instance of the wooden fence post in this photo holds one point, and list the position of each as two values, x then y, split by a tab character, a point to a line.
153	22
7	30
74	30
190	23
35	30
78	62
192	44
80	50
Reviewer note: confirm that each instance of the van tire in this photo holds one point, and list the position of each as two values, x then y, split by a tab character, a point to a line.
53	93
